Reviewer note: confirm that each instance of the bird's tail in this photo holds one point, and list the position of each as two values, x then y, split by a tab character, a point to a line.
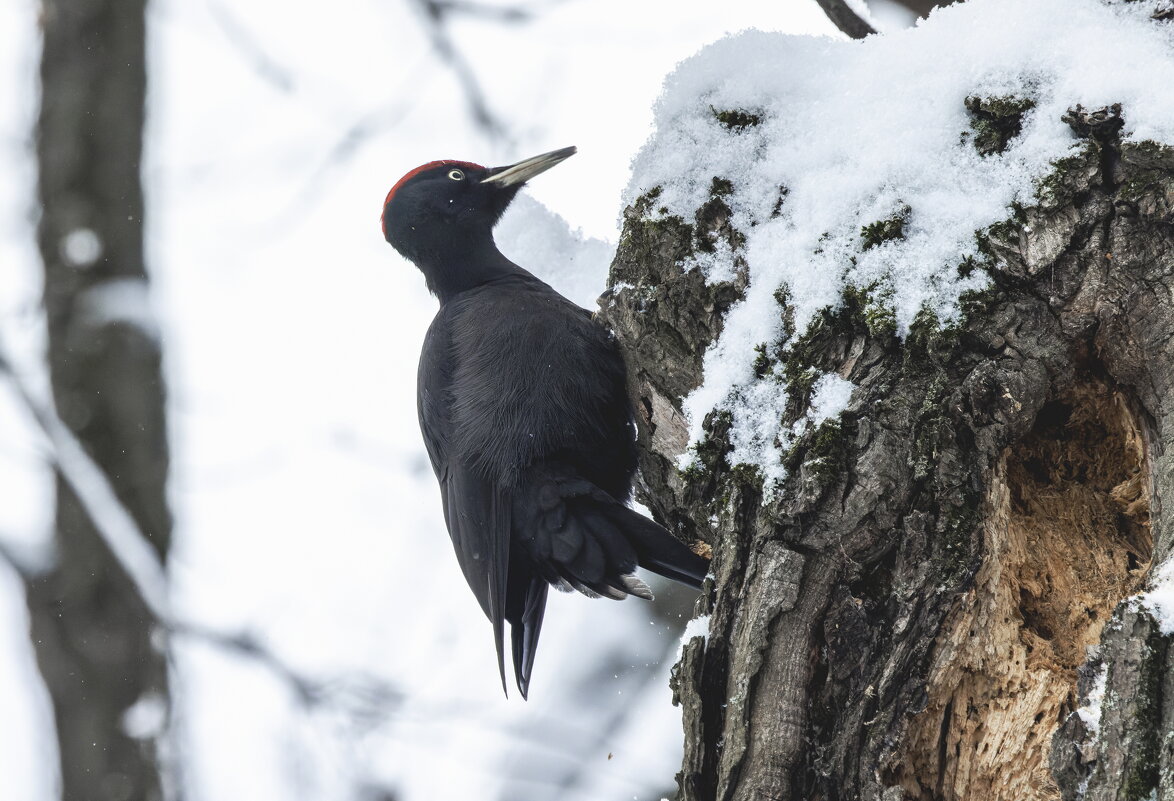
571	534
656	549
580	537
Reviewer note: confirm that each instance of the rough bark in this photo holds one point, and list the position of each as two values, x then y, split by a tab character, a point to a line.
922	609
93	635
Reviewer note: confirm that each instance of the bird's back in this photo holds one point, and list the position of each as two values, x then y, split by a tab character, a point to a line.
534	378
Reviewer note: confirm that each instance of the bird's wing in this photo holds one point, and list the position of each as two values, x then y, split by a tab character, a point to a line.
476	510
578	535
525	606
478	518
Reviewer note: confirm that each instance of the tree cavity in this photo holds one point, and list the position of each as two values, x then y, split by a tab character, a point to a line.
1066	537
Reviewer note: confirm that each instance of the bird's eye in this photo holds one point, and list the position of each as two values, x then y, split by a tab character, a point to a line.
456	175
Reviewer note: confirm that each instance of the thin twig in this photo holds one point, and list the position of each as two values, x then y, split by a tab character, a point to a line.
496	13
240	37
435	13
844	18
349	142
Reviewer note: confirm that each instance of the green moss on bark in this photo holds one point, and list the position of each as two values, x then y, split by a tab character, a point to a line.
736	120
1150	173
886	230
649	230
715	444
825	455
995	121
763	363
929	345
873	305
1069	177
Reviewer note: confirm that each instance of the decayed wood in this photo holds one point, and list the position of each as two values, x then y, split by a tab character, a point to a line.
924	607
1065	537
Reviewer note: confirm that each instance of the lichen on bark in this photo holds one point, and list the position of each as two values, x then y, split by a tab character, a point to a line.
909	588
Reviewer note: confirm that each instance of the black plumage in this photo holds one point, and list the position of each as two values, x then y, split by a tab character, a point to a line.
524	410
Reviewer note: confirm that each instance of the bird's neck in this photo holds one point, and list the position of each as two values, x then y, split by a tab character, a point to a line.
448	274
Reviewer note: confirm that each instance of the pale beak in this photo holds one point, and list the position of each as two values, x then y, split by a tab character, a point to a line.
525	170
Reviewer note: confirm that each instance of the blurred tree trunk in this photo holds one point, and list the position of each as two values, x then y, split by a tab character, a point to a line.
93	635
930	605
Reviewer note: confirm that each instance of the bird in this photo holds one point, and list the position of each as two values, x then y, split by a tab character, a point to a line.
523	405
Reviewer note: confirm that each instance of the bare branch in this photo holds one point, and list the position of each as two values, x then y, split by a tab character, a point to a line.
129	546
844	18
436	13
496	13
352	139
250	49
362	696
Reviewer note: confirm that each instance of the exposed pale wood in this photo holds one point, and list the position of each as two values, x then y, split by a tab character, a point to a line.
1065	538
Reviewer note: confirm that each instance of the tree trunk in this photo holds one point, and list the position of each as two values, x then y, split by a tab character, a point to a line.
93	634
939	596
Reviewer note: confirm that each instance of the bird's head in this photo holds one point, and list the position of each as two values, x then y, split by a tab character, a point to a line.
446	210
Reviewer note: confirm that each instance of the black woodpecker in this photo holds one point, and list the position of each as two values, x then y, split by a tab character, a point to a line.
524	408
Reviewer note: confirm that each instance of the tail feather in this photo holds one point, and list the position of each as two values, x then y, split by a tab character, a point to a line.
570	534
635	585
658	550
525	615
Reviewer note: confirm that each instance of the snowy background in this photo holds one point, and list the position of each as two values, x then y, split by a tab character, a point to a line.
306	513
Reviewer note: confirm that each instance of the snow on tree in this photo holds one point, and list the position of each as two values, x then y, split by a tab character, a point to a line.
926	587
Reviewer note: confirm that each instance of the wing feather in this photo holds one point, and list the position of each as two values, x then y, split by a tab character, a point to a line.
477	511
